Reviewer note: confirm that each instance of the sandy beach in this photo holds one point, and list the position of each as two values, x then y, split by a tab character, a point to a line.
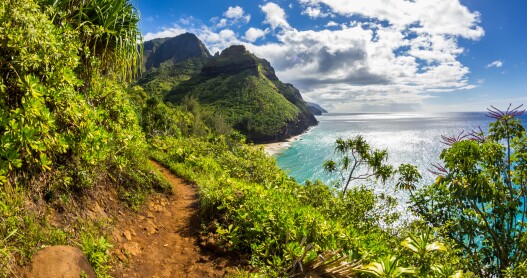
273	149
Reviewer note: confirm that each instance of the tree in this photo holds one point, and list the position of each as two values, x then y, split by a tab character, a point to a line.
479	197
358	162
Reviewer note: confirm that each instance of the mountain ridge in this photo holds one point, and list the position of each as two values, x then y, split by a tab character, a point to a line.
316	109
235	84
160	50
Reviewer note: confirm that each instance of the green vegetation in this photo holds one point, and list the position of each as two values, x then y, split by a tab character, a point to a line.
71	125
237	85
67	124
159	81
22	231
250	104
97	252
356	155
479	197
250	206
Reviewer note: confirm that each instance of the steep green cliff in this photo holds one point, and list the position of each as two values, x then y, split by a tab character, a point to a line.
235	84
168	61
245	90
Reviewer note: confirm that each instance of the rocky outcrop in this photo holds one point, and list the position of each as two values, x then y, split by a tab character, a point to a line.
59	261
232	60
316	109
240	86
175	50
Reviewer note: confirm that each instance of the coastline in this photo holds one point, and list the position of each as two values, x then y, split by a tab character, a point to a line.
273	149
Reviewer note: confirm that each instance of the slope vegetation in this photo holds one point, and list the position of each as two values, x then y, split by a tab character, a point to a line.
246	92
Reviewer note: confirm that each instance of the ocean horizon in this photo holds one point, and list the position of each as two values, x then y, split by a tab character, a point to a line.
413	138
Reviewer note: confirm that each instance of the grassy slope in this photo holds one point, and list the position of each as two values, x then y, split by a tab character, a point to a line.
159	81
249	103
238	86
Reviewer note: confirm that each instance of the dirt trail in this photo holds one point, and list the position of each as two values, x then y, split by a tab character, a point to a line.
161	240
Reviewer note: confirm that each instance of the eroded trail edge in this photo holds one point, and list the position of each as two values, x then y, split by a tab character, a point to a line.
161	240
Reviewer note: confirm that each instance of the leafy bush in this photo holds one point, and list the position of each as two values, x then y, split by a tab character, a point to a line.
66	119
478	199
97	251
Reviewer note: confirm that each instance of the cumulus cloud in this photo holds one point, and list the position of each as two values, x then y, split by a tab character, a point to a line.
275	16
252	34
233	16
447	17
405	60
165	33
332	24
391	55
315	12
237	13
495	64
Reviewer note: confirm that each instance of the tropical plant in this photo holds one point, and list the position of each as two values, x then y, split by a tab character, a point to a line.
97	250
108	30
408	177
423	246
249	205
358	162
327	264
447	271
58	136
388	267
479	197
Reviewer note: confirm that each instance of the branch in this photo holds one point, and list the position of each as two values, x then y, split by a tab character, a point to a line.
490	230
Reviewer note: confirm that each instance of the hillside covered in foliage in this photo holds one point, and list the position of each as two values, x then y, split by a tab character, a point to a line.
76	127
238	86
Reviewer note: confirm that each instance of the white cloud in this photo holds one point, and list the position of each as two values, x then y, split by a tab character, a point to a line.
390	54
165	33
496	64
234	12
222	23
275	16
253	34
237	13
233	16
217	41
429	16
315	12
332	24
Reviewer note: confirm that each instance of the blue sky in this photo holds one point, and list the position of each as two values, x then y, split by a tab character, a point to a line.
369	55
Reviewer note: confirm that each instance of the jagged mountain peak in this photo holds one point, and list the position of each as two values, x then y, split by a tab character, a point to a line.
235	83
236	59
174	50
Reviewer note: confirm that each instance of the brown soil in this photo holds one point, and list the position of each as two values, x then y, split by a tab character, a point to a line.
161	240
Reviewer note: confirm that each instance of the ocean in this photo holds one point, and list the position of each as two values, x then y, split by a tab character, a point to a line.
409	138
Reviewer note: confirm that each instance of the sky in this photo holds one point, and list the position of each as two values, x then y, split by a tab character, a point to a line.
369	55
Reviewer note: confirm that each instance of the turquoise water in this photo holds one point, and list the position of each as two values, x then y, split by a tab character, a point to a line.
409	138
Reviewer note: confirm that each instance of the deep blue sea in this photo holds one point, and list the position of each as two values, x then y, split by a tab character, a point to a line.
409	138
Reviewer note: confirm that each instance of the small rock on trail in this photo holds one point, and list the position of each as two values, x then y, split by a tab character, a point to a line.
59	261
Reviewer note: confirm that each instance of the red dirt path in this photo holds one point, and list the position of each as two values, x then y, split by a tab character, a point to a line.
161	240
